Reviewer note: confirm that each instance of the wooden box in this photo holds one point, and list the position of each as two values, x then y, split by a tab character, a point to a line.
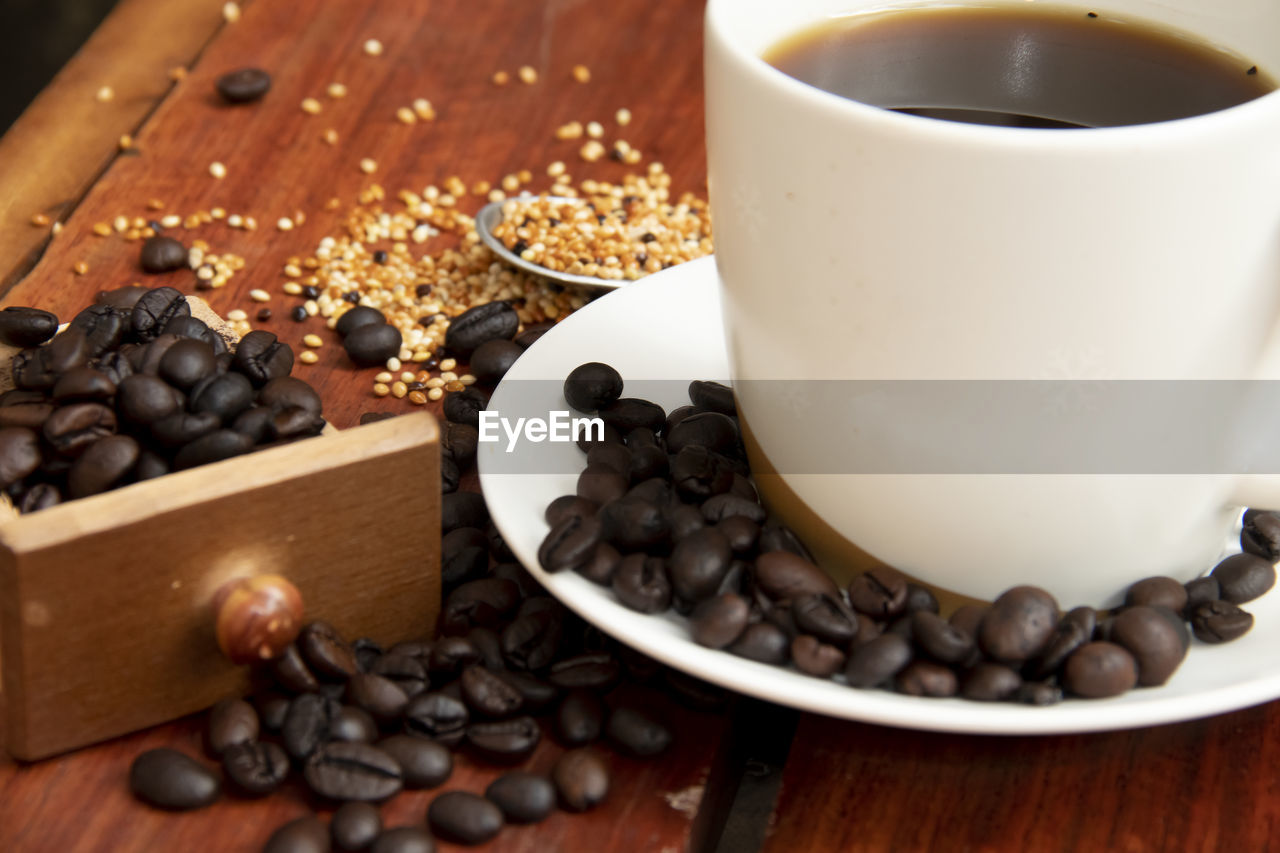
106	618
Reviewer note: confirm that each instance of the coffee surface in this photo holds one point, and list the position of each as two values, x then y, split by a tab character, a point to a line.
1022	66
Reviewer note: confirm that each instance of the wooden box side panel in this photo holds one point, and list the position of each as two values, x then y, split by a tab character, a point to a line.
112	631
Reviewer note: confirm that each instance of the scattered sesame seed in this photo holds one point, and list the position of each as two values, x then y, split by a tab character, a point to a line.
177	73
218	213
423	109
453	386
368	165
496	195
501	78
581	73
311	105
234	220
408	376
448	364
250	223
105	94
380	389
308	357
102	229
623	117
218	170
330	136
231	12
313	340
57	228
524	176
373	47
435	394
284	223
435	382
311	307
447	375
417	398
125	142
80	268
595	130
591	150
155	204
235	315
572	130
556	168
121	224
398	390
467	379
336	90
528	74
393	364
404	115
384	376
292	288
259	295
39	220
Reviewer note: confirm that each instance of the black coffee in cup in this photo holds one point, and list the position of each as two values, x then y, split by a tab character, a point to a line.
1024	66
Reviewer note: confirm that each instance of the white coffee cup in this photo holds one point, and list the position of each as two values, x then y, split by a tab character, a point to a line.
856	243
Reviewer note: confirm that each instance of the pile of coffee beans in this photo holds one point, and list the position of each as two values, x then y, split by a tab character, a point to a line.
666	516
133	388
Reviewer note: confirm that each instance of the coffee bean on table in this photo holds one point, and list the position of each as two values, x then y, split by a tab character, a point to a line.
492	359
352	771
306	834
437	715
1219	621
325	651
423	763
478	325
404	839
26	327
380	696
522	797
462	509
1157	591
372	344
464	407
1244	577
186	362
243	86
360	315
506	741
990	682
488	695
231	722
261	357
1100	669
464	817
355	825
162	254
169	779
581	778
255	768
537	694
781	574
1018	624
531	334
224	394
592	386
306	725
144	399
636	734
354	725
292	672
877	661
579	718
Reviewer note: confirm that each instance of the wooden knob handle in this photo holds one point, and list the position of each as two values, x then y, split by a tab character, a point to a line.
255	619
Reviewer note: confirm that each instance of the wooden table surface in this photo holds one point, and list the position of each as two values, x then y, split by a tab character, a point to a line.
752	777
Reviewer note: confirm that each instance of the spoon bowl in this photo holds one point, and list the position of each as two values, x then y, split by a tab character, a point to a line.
487	220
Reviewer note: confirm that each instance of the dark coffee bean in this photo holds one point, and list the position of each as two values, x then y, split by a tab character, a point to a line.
120	297
104	327
713	396
255	768
462	509
634	733
939	639
532	334
505	741
214	447
581	778
920	598
1244	577
355	318
531	641
156	308
464	407
72	429
294	422
628	413
740	532
825	617
601	565
19	454
708	429
781	574
292	673
168	779
778	537
814	657
990	682
1219	621
730	506
1075	629
423	763
451	655
487	695
244	86
372	344
261	357
461	441
569	505
615	456
38	497
763	642
1157	591
489	645
231	722
192	328
484	602
285	392
27	415
1100	669
592	386
352	771
579	718
877	661
478	325
881	593
144	399
492	359
353	725
522	797
536	693
599	671
648	462
1201	590
464	817
718	622
18	397
306	834
699	563
405	671
675	416
115	366
683	520
404	839
1018	624
84	385
181	428
306	725
224	394
641	583
570	544
601	484
438	716
162	254
1152	640
272	708
1260	535
26	327
926	678
698	473
355	826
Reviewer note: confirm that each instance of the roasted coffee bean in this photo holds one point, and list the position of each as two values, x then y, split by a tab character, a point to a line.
461	440
193	328
1260	534
438	716
814	657
1199	591
353	725
162	254
484	602
683	520
781	574
261	357
451	655
537	694
115	366
926	678
147	357
168	779
601	484
877	661
569	505
120	297
592	386
505	741
72	429
489	645
1157	591
356	317
404	839
628	413
579	718
602	564
707	429
294	422
825	617
19	397
1075	629
641	583
531	641
990	682
26	327
355	826
285	392
1100	669
675	416
103	327
84	385
181	428
492	321
487	695
881	593
1219	621
157	307
144	399
763	642
306	725
778	537
39	369
1152	640
462	509
255	768
1244	577
292	673
377	694
372	344
531	334
19	454
648	462
492	359
423	763
406	671
581	778
713	396
740	532
634	733
570	544
599	671
1018	624
615	456
464	817
730	506
231	722
698	564
920	598
352	771
939	639
306	834
244	86
224	394
27	415
522	797
464	407
698	473
214	447
38	497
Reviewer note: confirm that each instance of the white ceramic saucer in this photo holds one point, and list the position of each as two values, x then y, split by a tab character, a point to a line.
668	327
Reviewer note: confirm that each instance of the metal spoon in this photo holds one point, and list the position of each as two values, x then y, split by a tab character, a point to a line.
489	217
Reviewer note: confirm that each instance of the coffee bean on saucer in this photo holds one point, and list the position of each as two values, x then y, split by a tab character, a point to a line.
713	396
1244	577
717	622
599	671
423	763
404	839
628	413
1157	591
1260	534
1038	693
355	825
1152	639
880	593
1219	621
698	564
162	254
352	771
782	575
814	657
1100	669
478	325
26	327
1018	624
1200	590
492	359
570	544
306	834
372	344
244	85
169	779
877	661
231	722
990	682
581	779
601	484
464	817
592	386
641	583
523	797
825	617
926	678
636	734
939	639
256	768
